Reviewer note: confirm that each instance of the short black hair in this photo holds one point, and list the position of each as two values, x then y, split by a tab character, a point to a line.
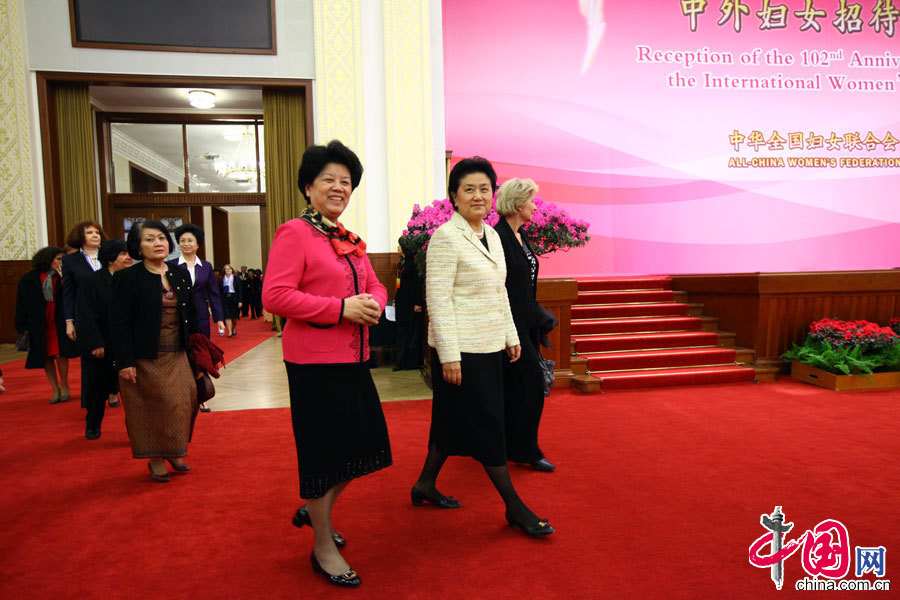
43	258
109	251
467	166
134	237
189	228
316	157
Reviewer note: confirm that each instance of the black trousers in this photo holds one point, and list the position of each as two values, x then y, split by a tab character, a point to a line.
99	380
523	391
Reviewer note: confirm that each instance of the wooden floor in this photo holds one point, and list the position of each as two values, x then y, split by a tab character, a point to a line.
257	379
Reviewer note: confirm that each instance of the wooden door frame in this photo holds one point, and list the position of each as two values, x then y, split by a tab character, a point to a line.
46	80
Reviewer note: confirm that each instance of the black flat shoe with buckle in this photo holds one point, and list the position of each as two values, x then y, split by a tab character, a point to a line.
419	498
301	518
348	578
541	529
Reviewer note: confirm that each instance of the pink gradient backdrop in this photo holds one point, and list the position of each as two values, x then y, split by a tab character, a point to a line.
647	165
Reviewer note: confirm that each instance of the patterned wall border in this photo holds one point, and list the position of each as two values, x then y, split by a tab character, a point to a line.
338	90
407	67
18	238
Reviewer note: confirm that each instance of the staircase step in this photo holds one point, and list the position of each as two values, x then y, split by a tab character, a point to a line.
659	309
654	359
625	297
625	380
636	325
676	339
625	283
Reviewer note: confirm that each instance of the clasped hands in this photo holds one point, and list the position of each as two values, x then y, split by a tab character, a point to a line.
362	309
452	371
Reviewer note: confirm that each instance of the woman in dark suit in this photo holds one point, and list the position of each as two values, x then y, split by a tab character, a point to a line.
408	303
231	290
206	288
523	382
85	237
92	315
39	311
149	321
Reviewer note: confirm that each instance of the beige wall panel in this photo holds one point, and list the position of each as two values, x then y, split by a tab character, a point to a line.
17	227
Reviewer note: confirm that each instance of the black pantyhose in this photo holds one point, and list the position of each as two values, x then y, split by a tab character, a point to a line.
515	508
428	478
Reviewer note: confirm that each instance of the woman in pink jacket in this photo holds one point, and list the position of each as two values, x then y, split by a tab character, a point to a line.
320	279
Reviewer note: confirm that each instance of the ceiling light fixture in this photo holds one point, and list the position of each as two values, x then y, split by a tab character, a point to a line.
202	99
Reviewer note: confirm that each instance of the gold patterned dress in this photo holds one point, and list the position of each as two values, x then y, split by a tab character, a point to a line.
161	407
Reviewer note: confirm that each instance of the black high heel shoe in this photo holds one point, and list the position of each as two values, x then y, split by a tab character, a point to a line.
301	518
540	530
419	498
346	579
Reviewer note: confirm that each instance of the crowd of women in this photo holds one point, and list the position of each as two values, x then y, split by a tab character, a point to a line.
138	329
483	320
131	328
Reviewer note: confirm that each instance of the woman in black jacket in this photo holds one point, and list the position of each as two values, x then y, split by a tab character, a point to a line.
92	313
410	318
86	238
523	383
150	319
39	311
231	290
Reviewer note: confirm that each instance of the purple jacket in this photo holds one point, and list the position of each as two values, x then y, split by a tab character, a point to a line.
205	293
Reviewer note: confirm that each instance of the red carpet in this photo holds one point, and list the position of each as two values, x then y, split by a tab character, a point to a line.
657	494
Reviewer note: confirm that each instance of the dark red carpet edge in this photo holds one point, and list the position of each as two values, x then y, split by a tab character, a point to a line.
658	494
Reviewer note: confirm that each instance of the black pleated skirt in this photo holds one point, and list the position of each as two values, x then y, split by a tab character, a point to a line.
468	420
339	427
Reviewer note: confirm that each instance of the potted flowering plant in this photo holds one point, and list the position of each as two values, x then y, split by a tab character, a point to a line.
894	324
848	355
551	228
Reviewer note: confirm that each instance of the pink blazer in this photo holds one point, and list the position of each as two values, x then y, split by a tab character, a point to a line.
306	282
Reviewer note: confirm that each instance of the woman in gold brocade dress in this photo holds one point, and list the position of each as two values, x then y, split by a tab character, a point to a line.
149	322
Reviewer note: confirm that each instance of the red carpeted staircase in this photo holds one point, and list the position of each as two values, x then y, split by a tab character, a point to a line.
636	332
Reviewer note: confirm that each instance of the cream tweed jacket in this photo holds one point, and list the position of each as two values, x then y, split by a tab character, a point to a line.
465	292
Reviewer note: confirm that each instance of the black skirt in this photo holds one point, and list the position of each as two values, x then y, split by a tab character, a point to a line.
523	392
339	427
468	420
230	308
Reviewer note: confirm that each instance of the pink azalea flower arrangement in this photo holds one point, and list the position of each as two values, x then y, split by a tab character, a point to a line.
551	228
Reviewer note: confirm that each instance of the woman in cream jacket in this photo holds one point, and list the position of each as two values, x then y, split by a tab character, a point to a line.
470	328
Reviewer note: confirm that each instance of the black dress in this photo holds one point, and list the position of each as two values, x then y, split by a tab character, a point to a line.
523	383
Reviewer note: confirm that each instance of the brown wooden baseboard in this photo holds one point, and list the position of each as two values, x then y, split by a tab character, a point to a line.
11	272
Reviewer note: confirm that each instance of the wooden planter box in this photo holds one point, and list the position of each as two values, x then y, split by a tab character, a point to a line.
803	372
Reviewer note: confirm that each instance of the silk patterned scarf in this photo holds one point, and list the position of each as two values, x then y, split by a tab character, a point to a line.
344	242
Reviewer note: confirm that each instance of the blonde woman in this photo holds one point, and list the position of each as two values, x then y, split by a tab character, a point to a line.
523	382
